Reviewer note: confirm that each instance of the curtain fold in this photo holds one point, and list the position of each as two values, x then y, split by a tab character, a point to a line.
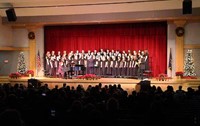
133	36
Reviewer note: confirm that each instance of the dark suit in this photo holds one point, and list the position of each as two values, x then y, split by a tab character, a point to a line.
91	66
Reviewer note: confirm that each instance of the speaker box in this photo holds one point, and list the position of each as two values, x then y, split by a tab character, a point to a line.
11	14
33	82
187	7
145	86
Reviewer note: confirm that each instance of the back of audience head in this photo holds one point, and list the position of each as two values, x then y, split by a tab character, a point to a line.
10	117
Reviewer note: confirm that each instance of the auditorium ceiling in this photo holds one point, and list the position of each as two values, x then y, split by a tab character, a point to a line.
66	7
49	8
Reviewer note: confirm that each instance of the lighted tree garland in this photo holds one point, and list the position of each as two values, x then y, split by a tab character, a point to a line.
189	69
21	66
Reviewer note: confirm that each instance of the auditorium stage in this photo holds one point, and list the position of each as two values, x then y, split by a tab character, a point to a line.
126	83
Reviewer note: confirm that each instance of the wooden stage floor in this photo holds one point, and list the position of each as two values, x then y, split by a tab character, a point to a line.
127	84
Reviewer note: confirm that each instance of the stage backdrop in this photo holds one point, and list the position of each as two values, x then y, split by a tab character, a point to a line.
135	36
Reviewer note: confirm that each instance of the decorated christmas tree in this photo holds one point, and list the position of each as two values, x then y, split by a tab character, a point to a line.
21	66
189	64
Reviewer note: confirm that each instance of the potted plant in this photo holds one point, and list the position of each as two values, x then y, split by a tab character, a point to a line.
15	75
179	74
89	77
30	73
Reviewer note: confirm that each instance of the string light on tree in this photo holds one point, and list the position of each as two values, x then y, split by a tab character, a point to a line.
189	69
21	66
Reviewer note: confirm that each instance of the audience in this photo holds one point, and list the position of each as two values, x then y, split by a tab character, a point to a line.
109	104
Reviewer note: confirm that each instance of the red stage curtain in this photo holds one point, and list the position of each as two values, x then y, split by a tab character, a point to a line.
135	36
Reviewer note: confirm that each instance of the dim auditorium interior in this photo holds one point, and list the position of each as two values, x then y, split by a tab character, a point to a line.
99	62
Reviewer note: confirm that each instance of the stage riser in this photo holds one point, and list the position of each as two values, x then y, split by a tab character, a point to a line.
127	84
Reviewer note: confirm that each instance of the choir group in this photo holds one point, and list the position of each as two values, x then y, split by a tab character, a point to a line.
103	63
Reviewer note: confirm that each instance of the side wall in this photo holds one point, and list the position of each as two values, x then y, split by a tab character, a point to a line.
171	43
193	37
5	35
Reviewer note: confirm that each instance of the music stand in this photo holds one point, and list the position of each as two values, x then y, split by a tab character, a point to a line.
71	70
147	73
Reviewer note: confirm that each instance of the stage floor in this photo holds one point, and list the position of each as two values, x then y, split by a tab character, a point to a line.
126	83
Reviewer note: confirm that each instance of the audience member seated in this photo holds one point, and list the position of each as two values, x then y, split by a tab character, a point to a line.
109	104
